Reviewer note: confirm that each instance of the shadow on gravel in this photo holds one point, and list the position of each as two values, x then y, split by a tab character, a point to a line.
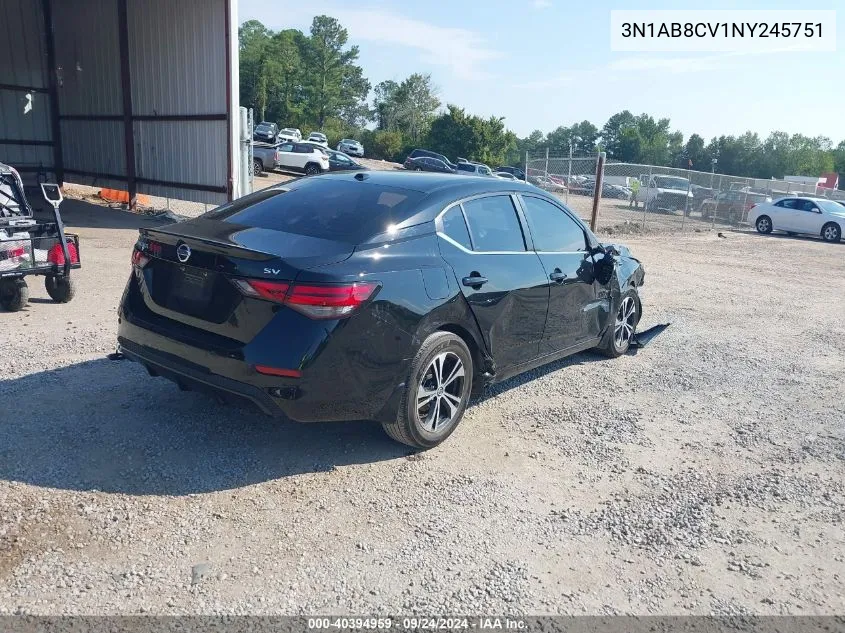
104	425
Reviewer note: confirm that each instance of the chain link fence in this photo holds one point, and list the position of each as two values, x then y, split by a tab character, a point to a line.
654	198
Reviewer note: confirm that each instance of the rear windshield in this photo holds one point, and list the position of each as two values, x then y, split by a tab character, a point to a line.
342	210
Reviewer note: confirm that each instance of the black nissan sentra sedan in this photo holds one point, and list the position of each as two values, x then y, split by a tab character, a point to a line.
385	296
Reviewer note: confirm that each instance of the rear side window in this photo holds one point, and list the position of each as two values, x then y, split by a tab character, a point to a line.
790	203
466	167
302	149
551	229
343	210
493	224
455	227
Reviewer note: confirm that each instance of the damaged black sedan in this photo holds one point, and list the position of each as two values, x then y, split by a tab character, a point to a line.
376	295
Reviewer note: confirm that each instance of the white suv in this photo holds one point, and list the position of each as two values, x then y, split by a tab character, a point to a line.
301	157
291	134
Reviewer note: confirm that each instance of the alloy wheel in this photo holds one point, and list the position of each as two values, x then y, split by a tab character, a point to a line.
829	233
763	225
626	321
440	391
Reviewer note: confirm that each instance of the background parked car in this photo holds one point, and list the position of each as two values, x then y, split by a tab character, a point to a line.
265	132
319	138
338	161
731	205
808	216
351	147
505	175
426	163
416	153
516	172
302	157
607	190
290	134
476	169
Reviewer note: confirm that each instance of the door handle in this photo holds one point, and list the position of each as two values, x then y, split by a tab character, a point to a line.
557	275
474	280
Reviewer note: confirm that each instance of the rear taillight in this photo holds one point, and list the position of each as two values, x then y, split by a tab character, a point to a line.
139	260
315	301
56	256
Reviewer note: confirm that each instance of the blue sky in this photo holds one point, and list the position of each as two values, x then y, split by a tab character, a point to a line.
544	63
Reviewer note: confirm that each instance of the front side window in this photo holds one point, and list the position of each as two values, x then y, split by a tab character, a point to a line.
551	228
466	167
494	225
806	205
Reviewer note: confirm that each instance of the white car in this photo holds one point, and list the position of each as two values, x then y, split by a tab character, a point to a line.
351	147
302	157
291	134
319	138
505	175
800	214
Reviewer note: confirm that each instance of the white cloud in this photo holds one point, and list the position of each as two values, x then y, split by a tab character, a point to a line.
464	52
685	64
542	4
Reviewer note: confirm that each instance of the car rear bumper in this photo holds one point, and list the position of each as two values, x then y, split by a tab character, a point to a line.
340	381
192	377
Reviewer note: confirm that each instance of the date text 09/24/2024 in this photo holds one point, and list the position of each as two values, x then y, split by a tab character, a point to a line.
417	623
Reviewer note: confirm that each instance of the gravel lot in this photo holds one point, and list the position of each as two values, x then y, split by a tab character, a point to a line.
703	474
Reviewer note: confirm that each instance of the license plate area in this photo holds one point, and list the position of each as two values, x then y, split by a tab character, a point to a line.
191	289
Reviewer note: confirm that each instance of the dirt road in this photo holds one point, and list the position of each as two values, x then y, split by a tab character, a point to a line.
703	474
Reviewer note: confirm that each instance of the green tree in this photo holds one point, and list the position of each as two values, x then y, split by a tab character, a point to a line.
333	81
457	134
619	145
695	152
415	105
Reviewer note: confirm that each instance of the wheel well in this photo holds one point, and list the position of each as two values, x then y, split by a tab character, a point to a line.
832	223
469	339
311	162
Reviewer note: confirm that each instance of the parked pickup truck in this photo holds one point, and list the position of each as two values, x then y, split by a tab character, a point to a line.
265	157
666	193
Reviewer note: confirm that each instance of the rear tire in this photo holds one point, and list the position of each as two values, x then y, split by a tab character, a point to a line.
14	294
436	394
831	232
620	332
60	289
257	167
312	170
764	224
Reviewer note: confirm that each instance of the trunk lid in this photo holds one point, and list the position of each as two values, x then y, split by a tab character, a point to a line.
188	276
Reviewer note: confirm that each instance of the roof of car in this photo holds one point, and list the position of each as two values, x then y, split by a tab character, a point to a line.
434	183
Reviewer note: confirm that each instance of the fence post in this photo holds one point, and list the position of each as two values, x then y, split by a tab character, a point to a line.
546	171
716	206
744	201
597	192
525	173
686	201
645	193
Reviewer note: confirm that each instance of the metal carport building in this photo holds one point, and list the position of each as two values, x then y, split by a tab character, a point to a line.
139	95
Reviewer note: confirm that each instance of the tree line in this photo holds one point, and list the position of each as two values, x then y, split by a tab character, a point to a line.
313	81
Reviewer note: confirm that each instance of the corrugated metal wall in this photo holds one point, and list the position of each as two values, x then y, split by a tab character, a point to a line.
89	85
177	59
23	71
178	64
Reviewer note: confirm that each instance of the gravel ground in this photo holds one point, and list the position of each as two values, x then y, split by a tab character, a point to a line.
704	474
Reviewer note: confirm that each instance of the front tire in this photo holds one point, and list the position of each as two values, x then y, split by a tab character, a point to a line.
60	289
14	294
617	339
831	232
764	224
436	394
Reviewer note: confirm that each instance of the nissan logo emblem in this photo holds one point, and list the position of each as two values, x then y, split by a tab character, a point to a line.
183	252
